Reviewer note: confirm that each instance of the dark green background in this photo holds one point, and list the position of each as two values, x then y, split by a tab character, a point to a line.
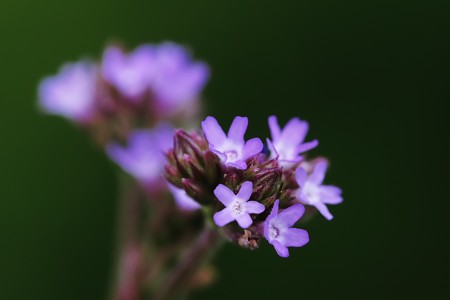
371	77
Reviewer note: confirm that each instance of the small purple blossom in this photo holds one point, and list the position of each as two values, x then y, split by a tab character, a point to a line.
278	231
143	156
130	73
231	148
312	192
166	70
177	81
182	199
288	144
237	207
70	93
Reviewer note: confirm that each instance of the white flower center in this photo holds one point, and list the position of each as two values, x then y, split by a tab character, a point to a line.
312	193
274	232
237	208
284	152
231	155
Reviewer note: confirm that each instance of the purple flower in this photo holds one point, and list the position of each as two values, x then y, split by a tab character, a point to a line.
312	192
278	231
177	81
182	199
231	148
70	93
143	156
130	73
287	144
237	207
166	70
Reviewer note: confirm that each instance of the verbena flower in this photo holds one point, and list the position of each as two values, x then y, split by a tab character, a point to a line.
182	199
143	155
70	93
231	148
155	84
177	81
130	73
279	232
237	207
312	192
166	72
287	144
202	168
197	162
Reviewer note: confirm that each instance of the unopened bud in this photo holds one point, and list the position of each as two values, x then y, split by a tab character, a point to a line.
198	169
197	191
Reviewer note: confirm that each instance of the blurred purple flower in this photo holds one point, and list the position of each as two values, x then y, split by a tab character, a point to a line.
237	207
287	144
143	157
70	93
182	199
278	231
130	73
312	192
176	81
166	70
232	148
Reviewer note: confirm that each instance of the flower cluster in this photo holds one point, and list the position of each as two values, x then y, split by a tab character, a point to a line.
187	191
132	102
129	102
252	194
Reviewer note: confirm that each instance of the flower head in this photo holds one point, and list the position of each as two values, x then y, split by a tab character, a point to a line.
288	144
130	73
231	148
182	199
279	232
237	207
177	81
143	156
70	93
312	192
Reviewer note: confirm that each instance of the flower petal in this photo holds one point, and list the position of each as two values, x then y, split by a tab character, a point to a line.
281	250
246	191
130	72
244	220
300	176
141	157
224	194
294	237
239	164
254	207
252	147
274	211
290	215
223	217
213	132
185	202
221	155
71	92
272	149
270	217
330	194
318	174
237	130
274	127
323	209
294	132
307	146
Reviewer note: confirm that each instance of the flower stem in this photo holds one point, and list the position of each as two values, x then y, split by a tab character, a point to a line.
125	285
177	282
